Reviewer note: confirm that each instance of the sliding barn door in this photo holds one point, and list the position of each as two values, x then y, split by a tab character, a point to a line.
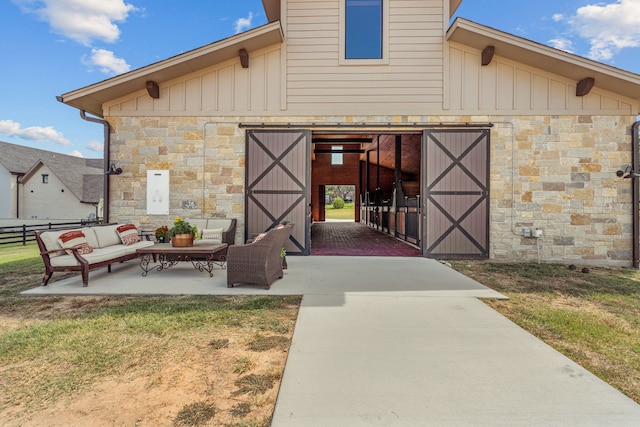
278	166
456	193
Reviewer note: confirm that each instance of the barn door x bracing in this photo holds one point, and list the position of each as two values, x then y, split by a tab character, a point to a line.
456	196
278	168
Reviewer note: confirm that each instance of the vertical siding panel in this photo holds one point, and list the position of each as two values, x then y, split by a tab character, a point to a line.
210	91
610	103
471	81
558	95
162	103
523	90
574	102
144	103
505	87
257	90
193	94
225	89
540	93
273	80
592	101
455	78
488	86
176	97
241	84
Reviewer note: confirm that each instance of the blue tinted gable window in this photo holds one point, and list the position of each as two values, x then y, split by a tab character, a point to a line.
363	35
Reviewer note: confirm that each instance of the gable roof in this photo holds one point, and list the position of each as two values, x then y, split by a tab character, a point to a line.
91	98
544	57
83	177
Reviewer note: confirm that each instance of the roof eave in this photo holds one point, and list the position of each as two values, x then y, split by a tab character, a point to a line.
272	9
91	98
544	57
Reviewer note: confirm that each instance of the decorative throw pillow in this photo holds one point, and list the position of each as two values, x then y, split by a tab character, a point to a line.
75	239
128	234
212	234
258	237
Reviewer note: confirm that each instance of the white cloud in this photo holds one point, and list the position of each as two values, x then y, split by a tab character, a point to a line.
81	20
32	133
243	24
609	27
107	62
76	153
562	44
557	17
96	146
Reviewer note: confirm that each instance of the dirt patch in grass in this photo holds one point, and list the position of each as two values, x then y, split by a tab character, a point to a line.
170	375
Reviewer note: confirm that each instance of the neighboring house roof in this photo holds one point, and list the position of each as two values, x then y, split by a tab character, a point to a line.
544	57
91	98
83	177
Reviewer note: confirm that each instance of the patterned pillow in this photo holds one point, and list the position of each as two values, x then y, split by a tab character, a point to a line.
128	234
212	234
259	237
75	239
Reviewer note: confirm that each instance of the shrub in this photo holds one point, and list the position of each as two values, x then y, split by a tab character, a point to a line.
338	203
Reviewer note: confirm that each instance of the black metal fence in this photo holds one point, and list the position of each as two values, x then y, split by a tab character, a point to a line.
24	233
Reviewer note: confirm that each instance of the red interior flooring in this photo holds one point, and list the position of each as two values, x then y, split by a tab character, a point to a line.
355	239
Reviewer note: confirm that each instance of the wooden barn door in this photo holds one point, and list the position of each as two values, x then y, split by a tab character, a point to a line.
456	193
278	167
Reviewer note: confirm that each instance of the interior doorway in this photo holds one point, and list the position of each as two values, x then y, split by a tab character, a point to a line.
366	171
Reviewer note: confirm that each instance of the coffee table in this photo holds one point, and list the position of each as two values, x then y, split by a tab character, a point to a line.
163	255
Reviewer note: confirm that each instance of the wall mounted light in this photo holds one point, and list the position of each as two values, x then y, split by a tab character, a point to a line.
627	172
114	170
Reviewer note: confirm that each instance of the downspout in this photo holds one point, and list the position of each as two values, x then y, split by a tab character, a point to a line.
635	204
106	155
18	182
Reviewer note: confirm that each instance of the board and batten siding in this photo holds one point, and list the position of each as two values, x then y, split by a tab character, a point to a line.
514	88
408	81
222	89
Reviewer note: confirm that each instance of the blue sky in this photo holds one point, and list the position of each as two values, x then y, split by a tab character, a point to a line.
50	47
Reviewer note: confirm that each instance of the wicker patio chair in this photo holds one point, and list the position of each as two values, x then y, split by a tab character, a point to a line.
260	262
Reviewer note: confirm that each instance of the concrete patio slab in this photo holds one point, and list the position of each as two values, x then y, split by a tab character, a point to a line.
305	276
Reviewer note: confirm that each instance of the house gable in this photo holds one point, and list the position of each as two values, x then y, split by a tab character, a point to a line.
222	89
527	77
510	87
420	74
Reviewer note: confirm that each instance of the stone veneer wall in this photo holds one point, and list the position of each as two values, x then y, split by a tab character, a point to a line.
556	173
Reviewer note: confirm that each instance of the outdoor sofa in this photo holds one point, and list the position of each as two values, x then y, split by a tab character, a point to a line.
215	230
87	248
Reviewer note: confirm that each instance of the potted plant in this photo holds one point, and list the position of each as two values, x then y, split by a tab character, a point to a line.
161	233
182	233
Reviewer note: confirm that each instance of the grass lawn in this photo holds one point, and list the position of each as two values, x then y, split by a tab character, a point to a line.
348	212
184	360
